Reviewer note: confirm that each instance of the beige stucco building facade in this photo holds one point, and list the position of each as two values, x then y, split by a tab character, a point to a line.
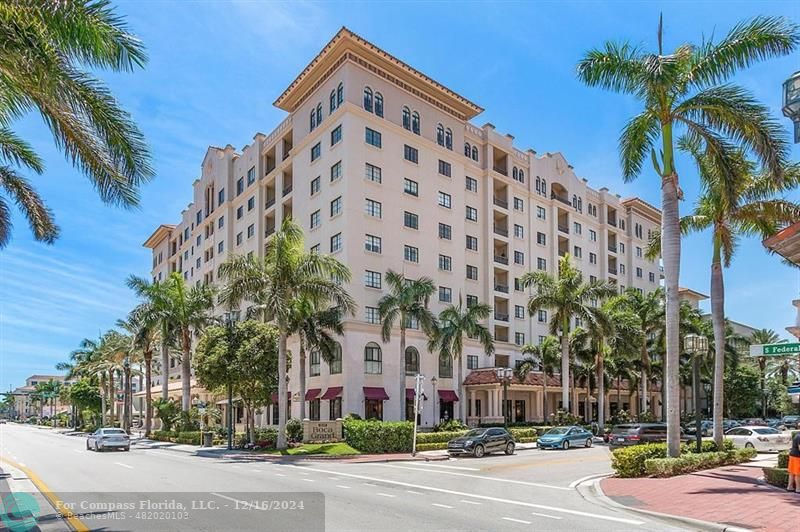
384	168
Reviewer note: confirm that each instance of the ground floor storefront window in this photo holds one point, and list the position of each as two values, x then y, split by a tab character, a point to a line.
373	409
446	410
519	411
335	408
313	410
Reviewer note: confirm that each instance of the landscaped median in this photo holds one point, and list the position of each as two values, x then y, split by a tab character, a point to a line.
651	459
778	476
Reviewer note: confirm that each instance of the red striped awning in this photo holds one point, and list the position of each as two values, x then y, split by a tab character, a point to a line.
312	393
375	394
447	396
332	393
274	397
409	394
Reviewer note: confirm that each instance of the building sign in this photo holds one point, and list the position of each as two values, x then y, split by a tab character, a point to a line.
322	431
761	350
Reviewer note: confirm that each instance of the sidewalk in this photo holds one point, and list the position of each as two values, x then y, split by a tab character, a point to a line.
731	496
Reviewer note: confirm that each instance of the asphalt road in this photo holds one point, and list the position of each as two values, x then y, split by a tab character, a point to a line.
530	490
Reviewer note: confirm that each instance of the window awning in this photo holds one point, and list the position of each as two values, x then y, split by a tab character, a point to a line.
312	393
447	396
375	394
274	397
332	393
409	394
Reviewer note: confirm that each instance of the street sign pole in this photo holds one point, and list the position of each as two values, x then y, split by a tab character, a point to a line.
417	396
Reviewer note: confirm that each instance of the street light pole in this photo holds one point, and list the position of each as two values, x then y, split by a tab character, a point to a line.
417	407
505	375
695	345
229	326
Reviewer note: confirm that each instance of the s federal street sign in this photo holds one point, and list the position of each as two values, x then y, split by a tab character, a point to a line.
766	350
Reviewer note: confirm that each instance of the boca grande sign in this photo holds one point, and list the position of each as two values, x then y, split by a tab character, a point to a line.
322	431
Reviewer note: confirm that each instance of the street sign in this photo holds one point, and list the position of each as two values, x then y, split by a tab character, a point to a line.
775	350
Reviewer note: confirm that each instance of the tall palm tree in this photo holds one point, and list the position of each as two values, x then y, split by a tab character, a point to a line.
144	335
287	272
455	322
567	297
619	366
687	90
544	356
49	48
764	336
406	302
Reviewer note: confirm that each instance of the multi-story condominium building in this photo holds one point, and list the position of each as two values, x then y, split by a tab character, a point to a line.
25	406
383	168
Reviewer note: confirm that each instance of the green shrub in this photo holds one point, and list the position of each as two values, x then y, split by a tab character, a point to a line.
162	435
777	476
686	463
452	425
629	462
707	446
379	436
438	437
190	437
520	433
783	459
527	440
632	461
267	434
431	446
294	429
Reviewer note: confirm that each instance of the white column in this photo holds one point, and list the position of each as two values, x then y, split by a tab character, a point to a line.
490	401
472	403
540	414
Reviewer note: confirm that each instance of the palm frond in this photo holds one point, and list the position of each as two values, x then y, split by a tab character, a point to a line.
40	218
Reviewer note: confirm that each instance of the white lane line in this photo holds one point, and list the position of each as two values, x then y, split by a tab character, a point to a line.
279	475
333	478
122	465
412	492
385	495
465	501
545	515
481	497
370	484
442	505
343	486
516	520
424	465
307	479
481	477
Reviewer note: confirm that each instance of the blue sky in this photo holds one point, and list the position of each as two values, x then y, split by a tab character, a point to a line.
215	69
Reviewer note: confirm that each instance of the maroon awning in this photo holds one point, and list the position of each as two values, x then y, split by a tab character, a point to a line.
274	397
375	394
410	394
312	393
332	393
447	396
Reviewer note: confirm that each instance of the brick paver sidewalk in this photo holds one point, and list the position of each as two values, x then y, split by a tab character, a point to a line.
727	495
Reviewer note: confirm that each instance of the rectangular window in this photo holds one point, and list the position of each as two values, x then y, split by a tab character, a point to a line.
199	217
541	264
315	219
472	243
336	242
372	279
639	273
638	251
471	300
410	154
373	208
652	277
577	252
577	228
239	186
371	315
445	168
221	222
519	338
335	366
541	213
336	171
519	231
519	312
519	204
472	214
372	243
519	257
251	230
410	187
316	185
592	235
316	151
251	203
336	134
517	284
592	258
444	200
372	137
541	239
373	365
220	247
445	368
410	254
445	263
472	184
621	268
472	361
542	316
472	272
314	364
445	231
251	176
221	196
621	247
314	248
445	294
239	212
336	206
372	172
410	220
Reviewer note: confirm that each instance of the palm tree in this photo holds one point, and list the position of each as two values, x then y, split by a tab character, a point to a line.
287	272
686	90
566	296
406	302
544	356
144	334
619	366
455	322
46	47
764	336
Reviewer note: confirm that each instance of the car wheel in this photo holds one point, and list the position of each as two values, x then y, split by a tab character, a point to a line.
479	451
749	445
565	444
588	442
510	448
127	449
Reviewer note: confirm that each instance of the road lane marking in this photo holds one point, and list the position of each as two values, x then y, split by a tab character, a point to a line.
575	483
590	515
481	477
442	505
343	487
307	479
385	495
446	466
516	520
545	515
123	465
279	475
333	478
412	492
465	501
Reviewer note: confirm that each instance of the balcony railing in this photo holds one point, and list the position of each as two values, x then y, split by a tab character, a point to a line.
612	270
270	202
499	316
500	170
500	202
500	230
269	231
612	222
501	288
556	197
501	259
287	189
561	253
612	247
563	228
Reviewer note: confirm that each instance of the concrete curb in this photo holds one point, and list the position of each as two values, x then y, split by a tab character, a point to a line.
591	492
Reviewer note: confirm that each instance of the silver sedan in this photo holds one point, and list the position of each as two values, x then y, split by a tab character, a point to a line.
108	438
759	438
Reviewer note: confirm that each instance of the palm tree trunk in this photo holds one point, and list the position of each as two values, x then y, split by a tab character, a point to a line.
112	396
302	380
164	370
103	405
565	367
281	443
148	396
126	387
401	396
460	386
762	367
671	252
718	322
601	391
186	371
619	393
645	368
544	395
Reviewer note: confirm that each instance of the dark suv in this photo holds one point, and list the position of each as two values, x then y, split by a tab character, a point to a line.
478	442
639	433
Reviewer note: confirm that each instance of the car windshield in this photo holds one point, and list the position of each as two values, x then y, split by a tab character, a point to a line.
113	431
474	433
558	430
766	431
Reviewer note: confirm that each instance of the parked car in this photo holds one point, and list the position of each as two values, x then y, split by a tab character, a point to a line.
777	424
759	438
639	433
706	428
564	438
108	438
478	442
728	424
754	422
2	421
791	422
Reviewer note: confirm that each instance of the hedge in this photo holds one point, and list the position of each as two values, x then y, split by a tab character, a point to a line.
783	459
438	437
376	437
629	462
431	446
777	476
687	463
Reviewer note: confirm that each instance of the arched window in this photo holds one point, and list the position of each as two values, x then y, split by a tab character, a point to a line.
412	361
332	101
340	94
415	123
448	139
544	187
474	153
335	364
521	175
314	363
312	121
379	104
367	99
575	201
373	359
538	185
440	135
580	205
407	118
515	173
319	113
467	149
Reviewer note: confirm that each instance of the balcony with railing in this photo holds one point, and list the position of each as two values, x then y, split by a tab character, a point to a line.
499	316
612	270
563	228
500	230
287	189
500	202
612	248
503	288
501	259
270	202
